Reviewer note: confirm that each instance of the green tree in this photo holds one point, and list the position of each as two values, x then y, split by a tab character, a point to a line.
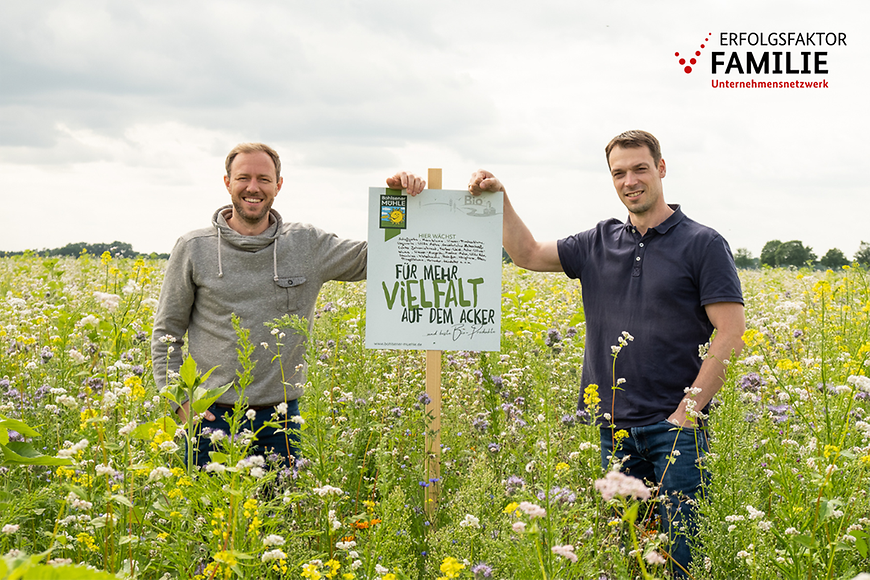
768	253
743	259
862	256
791	253
834	259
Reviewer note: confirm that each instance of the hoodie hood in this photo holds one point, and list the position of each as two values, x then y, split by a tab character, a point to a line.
247	243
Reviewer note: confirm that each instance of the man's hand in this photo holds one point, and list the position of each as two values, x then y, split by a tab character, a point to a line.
484	181
184	409
407	181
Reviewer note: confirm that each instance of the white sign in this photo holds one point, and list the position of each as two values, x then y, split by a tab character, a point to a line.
434	270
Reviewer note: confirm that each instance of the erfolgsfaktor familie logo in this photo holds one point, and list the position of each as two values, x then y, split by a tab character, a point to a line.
766	60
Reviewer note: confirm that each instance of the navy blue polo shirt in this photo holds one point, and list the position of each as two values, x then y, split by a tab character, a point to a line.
655	288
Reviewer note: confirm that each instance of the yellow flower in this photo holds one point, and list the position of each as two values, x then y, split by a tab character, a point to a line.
562	466
620	435
511	507
831	450
451	567
310	571
590	396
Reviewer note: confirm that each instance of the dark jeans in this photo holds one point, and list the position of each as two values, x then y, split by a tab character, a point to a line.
268	441
649	449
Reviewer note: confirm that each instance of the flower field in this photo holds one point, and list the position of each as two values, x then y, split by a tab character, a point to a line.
95	480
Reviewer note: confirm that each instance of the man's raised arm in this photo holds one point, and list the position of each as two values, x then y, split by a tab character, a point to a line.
520	244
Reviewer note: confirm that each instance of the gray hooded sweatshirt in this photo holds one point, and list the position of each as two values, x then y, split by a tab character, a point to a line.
215	272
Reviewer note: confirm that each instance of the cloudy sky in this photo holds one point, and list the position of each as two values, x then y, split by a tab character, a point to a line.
115	117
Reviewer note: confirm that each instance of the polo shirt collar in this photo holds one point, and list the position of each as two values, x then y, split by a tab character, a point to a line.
666	225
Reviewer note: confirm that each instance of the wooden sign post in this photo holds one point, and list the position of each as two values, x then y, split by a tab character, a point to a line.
433	391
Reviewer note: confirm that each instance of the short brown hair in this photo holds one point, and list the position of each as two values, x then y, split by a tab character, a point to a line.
253	148
634	139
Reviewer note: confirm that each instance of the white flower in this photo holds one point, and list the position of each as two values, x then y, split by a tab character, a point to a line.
297	419
257	472
169	446
76	356
470	522
275	554
519	527
281	408
346	546
273	540
654	558
381	570
251	414
326	490
89	320
215	467
9	529
105	470
108	301
159	473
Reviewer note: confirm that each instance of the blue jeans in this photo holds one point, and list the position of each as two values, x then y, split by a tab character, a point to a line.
268	441
649	449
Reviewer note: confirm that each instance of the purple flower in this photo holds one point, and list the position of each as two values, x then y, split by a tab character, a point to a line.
752	382
494	447
514	484
424	399
481	571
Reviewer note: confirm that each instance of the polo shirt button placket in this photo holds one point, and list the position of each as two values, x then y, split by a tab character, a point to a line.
637	259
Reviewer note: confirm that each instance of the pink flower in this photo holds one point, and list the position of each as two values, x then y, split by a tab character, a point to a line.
519	527
532	510
616	483
566	551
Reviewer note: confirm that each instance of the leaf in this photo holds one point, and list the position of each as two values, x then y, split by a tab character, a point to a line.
17	425
19	453
122	500
204	398
806	541
146	431
188	373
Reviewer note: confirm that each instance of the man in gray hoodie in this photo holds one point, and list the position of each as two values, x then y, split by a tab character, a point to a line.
251	264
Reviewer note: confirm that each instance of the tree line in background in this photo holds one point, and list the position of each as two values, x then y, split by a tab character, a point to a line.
793	253
774	254
116	248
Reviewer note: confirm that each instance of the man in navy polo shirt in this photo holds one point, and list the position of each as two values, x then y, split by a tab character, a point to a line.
654	289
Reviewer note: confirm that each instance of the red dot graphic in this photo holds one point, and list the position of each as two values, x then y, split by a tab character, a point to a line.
697	53
702	46
688	69
693	61
676	54
682	61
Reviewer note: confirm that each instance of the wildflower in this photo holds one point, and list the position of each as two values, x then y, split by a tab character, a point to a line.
272	555
10	529
470	522
281	408
273	540
108	301
566	551
450	567
513	483
159	473
250	414
616	483
519	527
654	558
532	510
